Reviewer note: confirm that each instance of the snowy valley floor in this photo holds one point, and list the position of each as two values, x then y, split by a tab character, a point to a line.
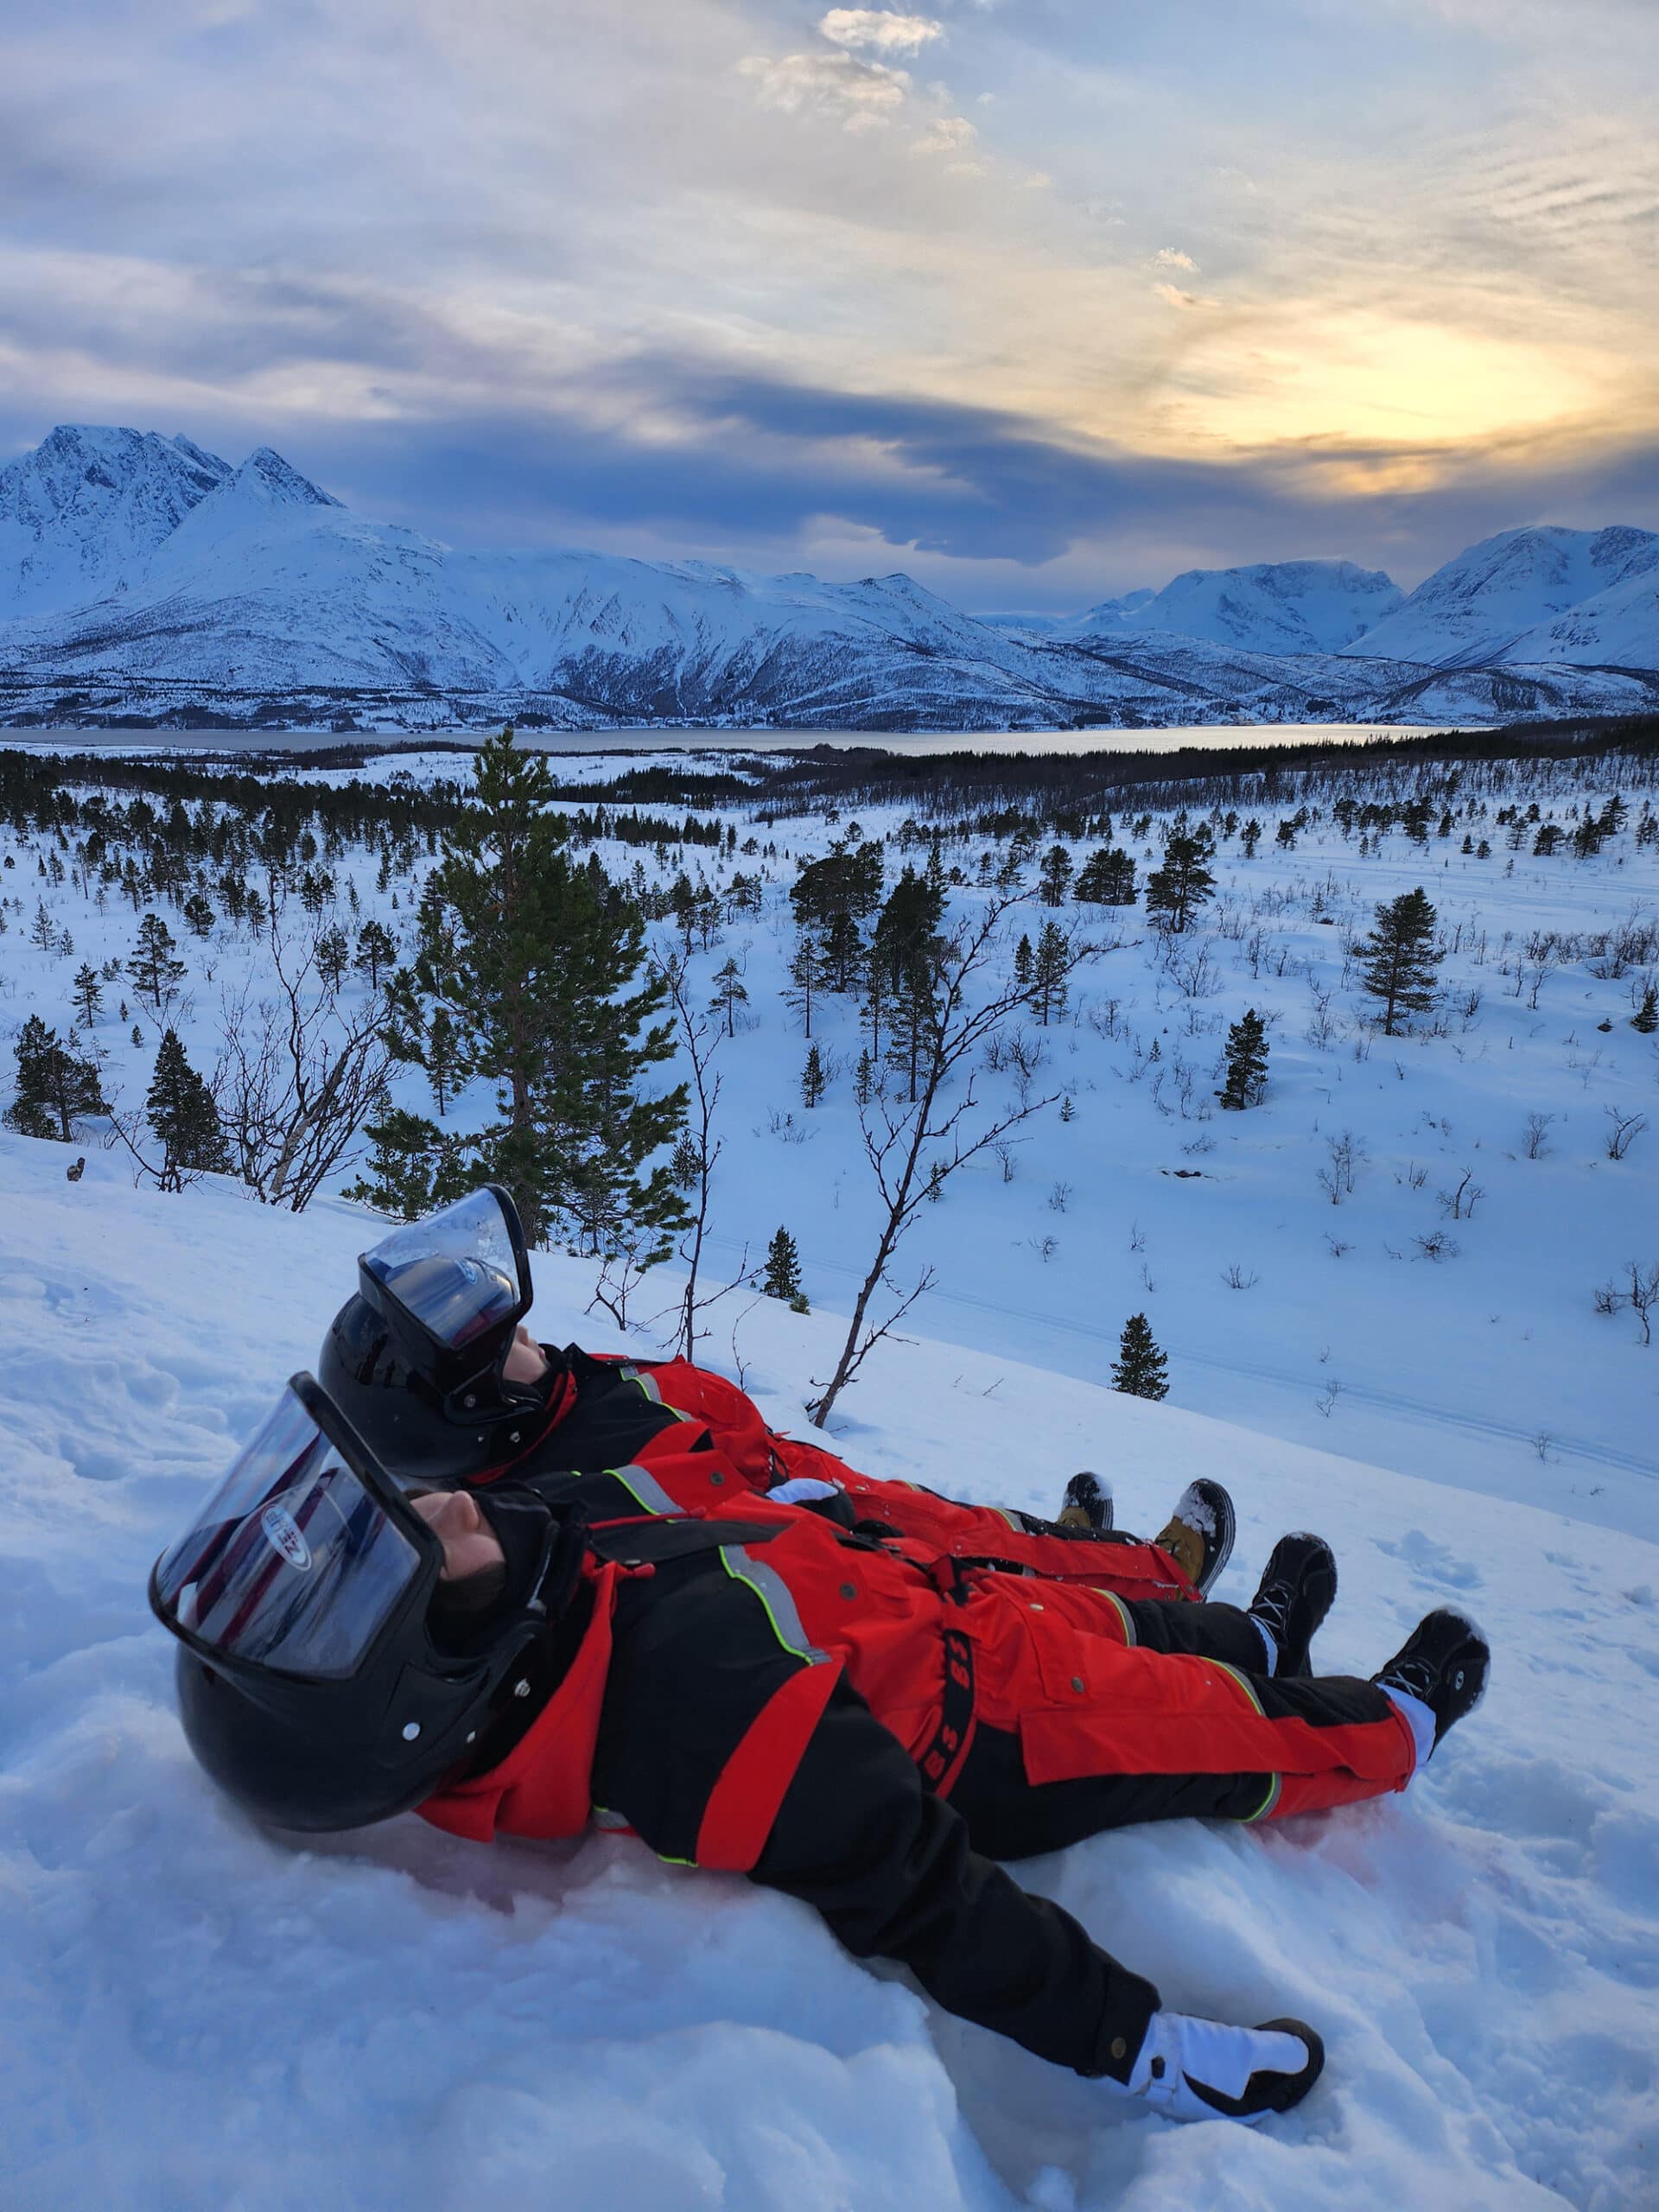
205	2017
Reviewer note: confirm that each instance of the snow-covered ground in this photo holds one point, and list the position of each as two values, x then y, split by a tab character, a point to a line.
203	2017
1487	1369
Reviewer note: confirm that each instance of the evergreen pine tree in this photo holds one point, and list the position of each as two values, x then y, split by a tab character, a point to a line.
534	959
179	1108
89	995
1141	1369
1022	963
864	1077
156	970
812	1078
1176	890
198	914
333	956
441	1048
1400	958
376	949
1050	967
904	963
1247	1061
1054	877
806	980
1646	1017
1249	837
783	1275
729	994
54	1085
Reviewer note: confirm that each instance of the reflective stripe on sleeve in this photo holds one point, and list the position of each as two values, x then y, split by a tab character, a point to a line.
643	1485
775	1595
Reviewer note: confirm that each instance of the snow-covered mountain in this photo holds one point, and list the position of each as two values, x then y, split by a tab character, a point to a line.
1274	606
81	514
144	579
1546	594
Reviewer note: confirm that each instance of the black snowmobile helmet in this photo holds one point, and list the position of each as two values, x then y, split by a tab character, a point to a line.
415	1359
310	1686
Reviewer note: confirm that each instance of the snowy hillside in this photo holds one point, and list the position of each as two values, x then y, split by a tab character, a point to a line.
1275	606
142	580
1500	602
396	2021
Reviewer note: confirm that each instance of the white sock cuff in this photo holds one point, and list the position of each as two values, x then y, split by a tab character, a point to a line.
1417	1716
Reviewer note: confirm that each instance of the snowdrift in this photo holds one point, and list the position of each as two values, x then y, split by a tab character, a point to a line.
200	2015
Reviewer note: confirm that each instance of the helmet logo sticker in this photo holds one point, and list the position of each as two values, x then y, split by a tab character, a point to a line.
283	1533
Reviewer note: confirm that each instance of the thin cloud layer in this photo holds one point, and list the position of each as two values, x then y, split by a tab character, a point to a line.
1039	302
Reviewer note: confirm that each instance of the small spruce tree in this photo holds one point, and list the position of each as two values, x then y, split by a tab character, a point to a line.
376	949
1645	1019
812	1078
1400	959
156	970
54	1085
783	1275
1141	1369
730	993
179	1108
89	995
1247	1062
1176	890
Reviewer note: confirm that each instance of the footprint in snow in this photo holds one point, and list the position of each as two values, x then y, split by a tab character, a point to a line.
1431	1566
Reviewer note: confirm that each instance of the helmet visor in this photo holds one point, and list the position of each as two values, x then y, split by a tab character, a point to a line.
295	1563
459	1274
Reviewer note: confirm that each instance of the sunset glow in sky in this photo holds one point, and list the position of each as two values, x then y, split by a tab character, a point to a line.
1037	299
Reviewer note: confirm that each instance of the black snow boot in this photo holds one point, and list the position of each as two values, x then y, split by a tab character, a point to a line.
1298	1586
1444	1662
1198	1534
1087	1504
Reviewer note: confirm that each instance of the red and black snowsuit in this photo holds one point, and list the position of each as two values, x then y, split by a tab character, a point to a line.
868	1723
702	1441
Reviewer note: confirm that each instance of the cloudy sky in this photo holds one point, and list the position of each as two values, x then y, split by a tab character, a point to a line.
1037	299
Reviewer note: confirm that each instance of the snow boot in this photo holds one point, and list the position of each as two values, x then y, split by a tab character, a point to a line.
1298	1585
1198	1534
1087	1504
1443	1663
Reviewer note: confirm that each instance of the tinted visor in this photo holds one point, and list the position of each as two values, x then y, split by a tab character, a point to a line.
459	1274
295	1563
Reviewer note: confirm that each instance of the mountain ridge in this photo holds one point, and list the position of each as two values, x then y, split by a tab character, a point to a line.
137	571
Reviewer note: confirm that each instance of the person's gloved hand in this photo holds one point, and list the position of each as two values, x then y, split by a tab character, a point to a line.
1198	2069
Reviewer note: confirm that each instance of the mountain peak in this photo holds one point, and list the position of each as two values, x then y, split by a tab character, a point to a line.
80	514
268	477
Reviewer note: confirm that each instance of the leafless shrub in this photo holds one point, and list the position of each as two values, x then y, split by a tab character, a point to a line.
1236	1279
1412	1176
1004	1150
1640	1294
1326	1403
1338	1247
1437	1246
1623	1130
298	1076
1137	1237
1060	1198
1347	1156
1459	1202
1532	1139
1044	1247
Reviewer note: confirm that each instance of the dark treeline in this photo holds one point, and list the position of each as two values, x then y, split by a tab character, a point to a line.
171	818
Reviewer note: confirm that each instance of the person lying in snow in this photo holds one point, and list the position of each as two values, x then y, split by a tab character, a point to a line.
866	1723
680	1436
